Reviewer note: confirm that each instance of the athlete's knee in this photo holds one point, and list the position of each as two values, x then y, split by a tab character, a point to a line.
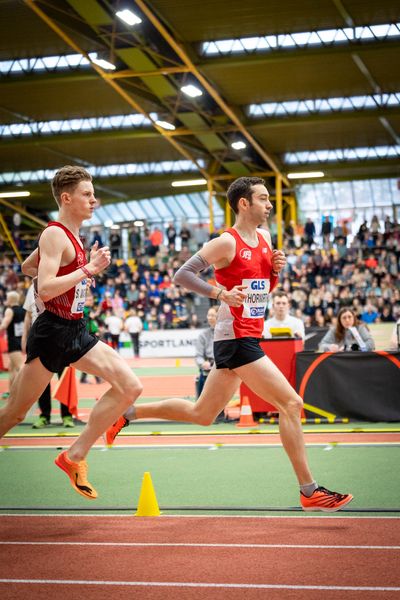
131	390
202	418
294	404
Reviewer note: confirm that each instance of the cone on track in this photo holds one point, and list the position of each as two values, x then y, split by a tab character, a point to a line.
148	505
246	414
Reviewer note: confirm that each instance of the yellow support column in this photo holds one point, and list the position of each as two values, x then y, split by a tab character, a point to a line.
228	214
210	203
10	238
279	212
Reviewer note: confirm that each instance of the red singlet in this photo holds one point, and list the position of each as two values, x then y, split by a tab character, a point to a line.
251	267
70	304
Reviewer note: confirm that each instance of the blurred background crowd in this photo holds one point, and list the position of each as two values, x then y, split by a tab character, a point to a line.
327	268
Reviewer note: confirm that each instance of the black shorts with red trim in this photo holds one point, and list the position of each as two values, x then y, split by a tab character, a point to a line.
58	342
231	354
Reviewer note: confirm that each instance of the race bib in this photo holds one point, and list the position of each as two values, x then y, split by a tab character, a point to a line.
256	298
80	298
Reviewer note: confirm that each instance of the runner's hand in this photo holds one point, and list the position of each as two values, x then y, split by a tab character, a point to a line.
236	296
100	258
278	260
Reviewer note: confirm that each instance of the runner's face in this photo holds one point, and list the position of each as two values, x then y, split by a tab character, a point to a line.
83	199
261	206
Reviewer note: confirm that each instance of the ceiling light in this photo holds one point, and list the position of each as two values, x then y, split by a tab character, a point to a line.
306	175
108	223
238	145
186	182
166	125
138	223
100	62
14	194
191	90
128	17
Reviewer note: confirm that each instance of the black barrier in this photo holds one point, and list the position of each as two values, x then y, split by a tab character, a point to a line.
357	385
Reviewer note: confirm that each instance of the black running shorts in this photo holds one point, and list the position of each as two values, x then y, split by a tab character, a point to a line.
14	345
231	354
58	342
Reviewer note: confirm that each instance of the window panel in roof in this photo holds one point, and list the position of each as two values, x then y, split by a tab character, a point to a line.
125	213
362	194
381	192
186	206
137	210
161	206
343	194
150	209
114	213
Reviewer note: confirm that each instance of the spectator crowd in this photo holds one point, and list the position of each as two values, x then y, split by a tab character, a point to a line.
319	279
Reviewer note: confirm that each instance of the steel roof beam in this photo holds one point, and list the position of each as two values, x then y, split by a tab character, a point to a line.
121	91
181	52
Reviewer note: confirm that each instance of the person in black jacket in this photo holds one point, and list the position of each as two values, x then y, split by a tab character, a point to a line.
13	323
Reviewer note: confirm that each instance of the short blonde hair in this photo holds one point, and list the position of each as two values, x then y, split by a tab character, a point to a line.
13	298
66	179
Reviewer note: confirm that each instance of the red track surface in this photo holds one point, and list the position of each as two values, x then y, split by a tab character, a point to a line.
113	568
167	440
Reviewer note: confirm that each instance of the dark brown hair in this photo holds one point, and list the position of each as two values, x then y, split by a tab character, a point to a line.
242	188
339	329
66	179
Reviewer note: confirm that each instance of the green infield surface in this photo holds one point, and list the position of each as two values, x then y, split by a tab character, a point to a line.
192	480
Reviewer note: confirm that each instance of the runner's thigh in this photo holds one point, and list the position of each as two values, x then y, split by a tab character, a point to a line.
103	361
266	380
218	389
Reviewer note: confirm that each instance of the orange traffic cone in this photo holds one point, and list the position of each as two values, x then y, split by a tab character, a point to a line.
3	348
66	392
246	414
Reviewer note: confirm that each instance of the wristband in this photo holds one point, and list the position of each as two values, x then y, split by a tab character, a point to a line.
219	293
274	273
87	272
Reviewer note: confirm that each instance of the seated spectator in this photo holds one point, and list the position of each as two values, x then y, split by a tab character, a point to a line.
347	334
370	314
282	318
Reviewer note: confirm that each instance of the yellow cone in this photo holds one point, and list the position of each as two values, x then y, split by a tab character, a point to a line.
148	505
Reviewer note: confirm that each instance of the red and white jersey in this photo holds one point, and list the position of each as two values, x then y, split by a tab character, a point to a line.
251	267
70	304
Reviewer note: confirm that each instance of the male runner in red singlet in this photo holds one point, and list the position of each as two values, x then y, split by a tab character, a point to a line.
246	270
59	337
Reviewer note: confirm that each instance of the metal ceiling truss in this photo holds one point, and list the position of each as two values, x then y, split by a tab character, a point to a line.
326	38
201	124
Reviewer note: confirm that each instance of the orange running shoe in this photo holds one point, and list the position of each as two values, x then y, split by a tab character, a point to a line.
77	472
323	499
114	430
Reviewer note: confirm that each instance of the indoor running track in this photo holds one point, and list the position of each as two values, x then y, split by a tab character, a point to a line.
221	558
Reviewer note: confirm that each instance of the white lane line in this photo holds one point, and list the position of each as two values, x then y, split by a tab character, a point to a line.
200	545
192	584
116	515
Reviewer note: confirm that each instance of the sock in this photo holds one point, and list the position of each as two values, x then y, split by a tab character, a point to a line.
308	488
130	413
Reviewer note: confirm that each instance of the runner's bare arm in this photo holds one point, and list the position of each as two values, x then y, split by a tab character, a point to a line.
8	317
53	246
30	265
